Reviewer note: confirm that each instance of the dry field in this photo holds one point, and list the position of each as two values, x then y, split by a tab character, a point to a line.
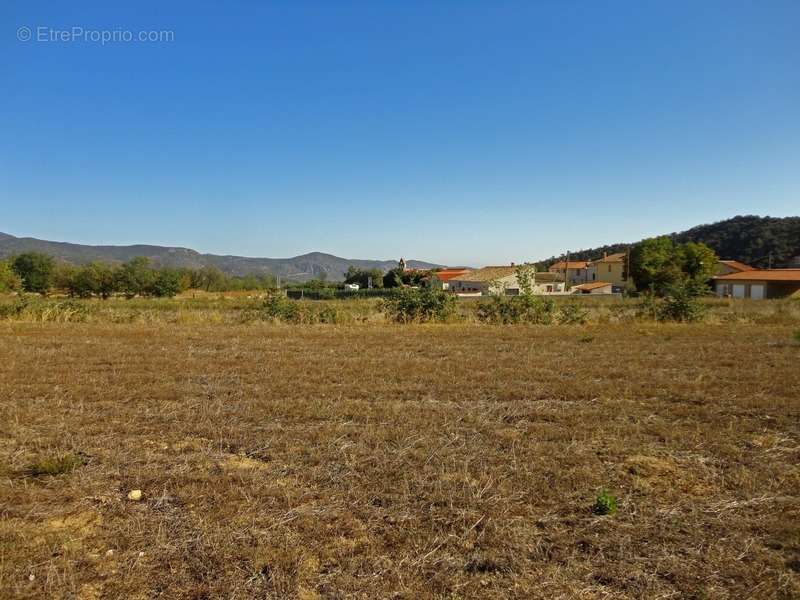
380	461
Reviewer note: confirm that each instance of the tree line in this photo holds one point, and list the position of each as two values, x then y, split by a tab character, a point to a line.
41	273
758	241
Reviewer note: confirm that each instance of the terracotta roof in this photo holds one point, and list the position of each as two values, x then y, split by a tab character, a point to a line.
739	266
611	258
592	285
572	264
763	275
487	274
448	274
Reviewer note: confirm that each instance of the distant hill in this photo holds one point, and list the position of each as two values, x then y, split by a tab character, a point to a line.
750	239
298	268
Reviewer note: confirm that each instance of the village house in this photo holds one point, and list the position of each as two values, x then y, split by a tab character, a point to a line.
610	269
440	280
758	284
573	271
503	280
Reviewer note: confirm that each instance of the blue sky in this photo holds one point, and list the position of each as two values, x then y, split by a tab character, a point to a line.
458	132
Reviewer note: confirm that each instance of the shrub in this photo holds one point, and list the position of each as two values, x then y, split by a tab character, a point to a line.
278	307
681	303
509	310
328	314
796	335
55	465
418	305
605	503
572	313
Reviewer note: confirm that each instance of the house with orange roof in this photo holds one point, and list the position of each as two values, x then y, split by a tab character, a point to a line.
573	271
759	284
440	280
612	268
593	287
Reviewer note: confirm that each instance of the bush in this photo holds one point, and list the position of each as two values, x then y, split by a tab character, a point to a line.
509	310
407	305
278	307
55	465
572	313
605	503
681	303
328	315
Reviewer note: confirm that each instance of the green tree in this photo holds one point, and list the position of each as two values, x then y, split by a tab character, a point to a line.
166	283
210	278
101	279
655	264
698	261
526	277
135	277
9	280
64	278
36	271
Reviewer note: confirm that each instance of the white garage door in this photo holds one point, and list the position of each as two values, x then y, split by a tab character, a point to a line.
738	290
757	292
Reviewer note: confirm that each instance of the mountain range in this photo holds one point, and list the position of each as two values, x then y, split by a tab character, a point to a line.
759	241
297	268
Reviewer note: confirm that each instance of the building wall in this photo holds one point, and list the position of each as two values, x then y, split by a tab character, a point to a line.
610	272
574	276
755	289
505	285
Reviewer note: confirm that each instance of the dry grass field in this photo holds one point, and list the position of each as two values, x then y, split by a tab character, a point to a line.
387	461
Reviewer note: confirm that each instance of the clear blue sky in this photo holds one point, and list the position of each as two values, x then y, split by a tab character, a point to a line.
458	132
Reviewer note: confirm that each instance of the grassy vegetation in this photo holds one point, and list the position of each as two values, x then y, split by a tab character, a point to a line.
373	459
55	465
197	307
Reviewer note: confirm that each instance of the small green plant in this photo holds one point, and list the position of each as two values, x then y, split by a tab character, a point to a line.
408	305
328	315
277	307
525	308
56	465
681	308
796	336
572	313
605	503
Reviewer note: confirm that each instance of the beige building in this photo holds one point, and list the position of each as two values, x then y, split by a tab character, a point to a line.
572	271
610	269
503	280
440	280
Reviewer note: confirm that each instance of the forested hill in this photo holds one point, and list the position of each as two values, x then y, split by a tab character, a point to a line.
750	239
